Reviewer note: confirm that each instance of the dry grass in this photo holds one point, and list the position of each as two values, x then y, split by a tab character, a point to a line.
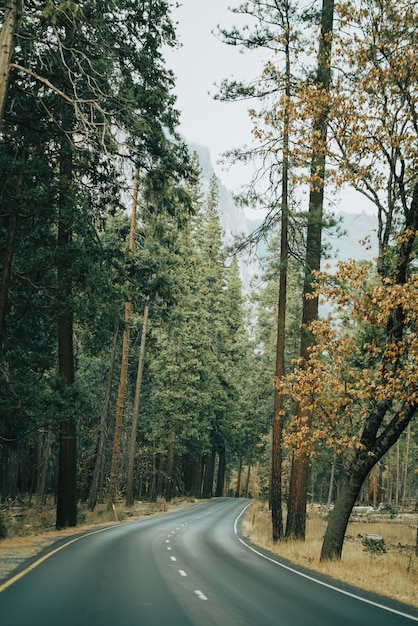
22	519
30	528
394	574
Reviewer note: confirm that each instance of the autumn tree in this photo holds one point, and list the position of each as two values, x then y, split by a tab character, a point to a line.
373	124
279	133
298	491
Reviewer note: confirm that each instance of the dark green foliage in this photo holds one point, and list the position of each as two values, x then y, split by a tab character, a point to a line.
61	170
3	528
375	546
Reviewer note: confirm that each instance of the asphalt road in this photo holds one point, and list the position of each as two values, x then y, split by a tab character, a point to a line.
183	568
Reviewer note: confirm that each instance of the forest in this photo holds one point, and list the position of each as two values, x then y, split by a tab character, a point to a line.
132	363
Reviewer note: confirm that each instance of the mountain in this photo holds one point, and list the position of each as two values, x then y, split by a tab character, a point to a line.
341	244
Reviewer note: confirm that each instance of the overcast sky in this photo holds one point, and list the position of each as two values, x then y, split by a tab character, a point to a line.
201	62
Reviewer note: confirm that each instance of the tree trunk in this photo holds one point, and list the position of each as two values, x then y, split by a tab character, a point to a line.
405	474
331	481
357	471
398	473
67	464
97	479
298	488
12	13
247	482
117	436
170	468
277	428
209	471
44	450
220	479
239	473
124	365
340	515
135	412
8	255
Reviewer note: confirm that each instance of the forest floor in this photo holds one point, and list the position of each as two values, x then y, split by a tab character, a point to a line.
393	573
30	530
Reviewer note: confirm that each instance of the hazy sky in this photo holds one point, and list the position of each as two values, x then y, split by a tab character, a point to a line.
204	61
201	62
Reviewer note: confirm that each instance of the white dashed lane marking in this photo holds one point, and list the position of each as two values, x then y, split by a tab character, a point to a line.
200	595
198	592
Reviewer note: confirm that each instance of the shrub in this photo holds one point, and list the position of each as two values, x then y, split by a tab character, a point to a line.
374	545
3	528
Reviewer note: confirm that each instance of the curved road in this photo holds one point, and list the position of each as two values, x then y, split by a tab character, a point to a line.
183	568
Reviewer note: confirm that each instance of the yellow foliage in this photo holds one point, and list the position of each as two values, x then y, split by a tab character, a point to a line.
343	378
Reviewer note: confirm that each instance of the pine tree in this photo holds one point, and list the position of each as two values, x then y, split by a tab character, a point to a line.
298	490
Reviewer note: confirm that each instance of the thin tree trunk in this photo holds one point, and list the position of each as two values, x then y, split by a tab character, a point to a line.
97	479
12	13
67	464
247	482
277	427
331	481
398	473
220	479
209	471
405	474
8	255
124	365
298	488
44	450
238	487
170	468
135	412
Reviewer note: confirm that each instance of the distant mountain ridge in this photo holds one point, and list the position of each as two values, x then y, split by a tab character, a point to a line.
353	227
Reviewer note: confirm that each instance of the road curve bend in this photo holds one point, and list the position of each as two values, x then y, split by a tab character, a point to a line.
190	567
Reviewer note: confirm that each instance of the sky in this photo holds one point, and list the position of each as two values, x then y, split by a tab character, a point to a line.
202	62
199	64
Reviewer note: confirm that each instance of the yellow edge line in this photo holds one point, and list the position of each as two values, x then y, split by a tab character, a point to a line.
11	581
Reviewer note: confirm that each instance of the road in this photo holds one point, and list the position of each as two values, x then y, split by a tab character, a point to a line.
185	568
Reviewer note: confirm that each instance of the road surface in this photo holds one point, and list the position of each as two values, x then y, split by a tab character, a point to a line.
185	568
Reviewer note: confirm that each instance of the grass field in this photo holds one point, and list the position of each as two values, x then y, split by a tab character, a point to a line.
393	574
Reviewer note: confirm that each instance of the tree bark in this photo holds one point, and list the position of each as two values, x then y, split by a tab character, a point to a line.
220	479
209	470
348	493
277	429
135	412
332	545
239	473
331	481
124	365
12	13
298	488
405	473
67	464
97	479
170	467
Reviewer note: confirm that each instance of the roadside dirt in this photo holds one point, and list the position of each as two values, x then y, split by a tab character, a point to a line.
24	544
